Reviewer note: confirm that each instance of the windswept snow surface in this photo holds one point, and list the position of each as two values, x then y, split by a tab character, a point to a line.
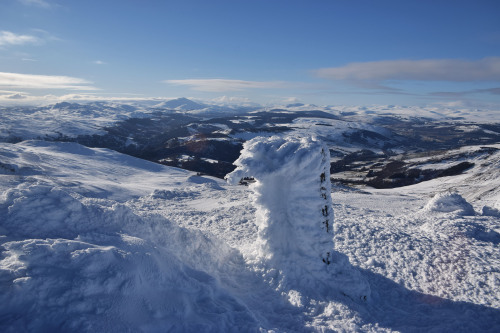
93	240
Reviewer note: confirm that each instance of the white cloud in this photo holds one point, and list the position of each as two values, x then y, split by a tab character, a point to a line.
39	3
290	100
29	81
454	70
222	85
10	38
7	94
45	35
36	37
16	96
99	62
492	91
22	98
230	100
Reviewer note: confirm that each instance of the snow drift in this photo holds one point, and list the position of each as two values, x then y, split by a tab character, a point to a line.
490	211
295	214
448	202
76	264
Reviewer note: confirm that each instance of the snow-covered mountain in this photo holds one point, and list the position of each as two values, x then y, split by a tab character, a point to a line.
207	138
183	104
63	119
92	239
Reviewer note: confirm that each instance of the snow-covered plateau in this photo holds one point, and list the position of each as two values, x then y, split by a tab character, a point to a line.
94	240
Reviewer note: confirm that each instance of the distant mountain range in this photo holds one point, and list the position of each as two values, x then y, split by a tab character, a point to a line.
207	138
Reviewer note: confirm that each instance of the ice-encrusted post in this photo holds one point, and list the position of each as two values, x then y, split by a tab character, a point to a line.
292	189
292	196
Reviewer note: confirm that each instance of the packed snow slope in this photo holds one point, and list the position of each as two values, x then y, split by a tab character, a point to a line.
93	240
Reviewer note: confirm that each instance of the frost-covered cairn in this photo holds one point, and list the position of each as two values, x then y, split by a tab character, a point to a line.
292	196
295	216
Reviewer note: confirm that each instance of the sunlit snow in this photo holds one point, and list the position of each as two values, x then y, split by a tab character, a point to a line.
93	240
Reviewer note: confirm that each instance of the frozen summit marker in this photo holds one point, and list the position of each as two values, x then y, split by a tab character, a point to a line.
292	194
295	215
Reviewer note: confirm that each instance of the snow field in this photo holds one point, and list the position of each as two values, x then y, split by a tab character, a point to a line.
77	265
92	240
446	254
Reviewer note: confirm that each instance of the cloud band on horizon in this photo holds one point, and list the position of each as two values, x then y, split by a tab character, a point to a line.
31	81
223	85
452	70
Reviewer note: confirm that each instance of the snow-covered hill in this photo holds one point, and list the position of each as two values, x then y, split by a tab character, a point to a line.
183	104
73	119
63	119
94	240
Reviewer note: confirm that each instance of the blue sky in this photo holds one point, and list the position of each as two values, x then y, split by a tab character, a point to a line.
323	52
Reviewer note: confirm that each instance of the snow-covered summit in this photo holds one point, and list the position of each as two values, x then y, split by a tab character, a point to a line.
182	103
94	240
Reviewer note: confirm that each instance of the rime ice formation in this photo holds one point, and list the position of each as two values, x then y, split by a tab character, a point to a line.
294	212
293	195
